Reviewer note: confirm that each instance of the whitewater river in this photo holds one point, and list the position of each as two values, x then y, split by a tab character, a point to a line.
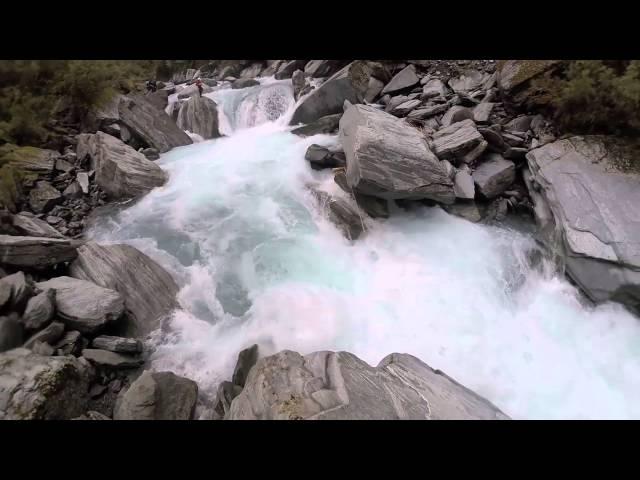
257	262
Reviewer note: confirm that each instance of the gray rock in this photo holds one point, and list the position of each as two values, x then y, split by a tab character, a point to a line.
379	71
5	294
11	333
326	124
299	82
53	220
35	387
151	153
286	69
468	81
84	306
405	107
404	79
456	114
20	291
373	90
36	252
515	80
104	358
227	391
244	83
154	127
493	138
159	99
515	153
340	386
321	158
40	348
73	191
482	112
29	160
520	124
252	70
512	140
192	91
121	171
463	185
40	310
83	180
34	227
92	415
388	158
63	165
586	201
350	83
426	112
148	290
272	67
322	68
434	88
70	343
467	210
199	115
44	197
50	334
460	142
247	358
117	344
343	215
373	206
494	175
158	396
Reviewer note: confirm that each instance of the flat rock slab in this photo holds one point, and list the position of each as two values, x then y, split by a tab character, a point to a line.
105	358
340	386
44	197
34	387
36	252
51	334
460	142
83	305
326	124
148	290
590	199
404	79
117	344
388	158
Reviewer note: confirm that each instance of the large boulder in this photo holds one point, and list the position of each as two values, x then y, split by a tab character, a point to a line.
34	387
340	386
585	199
148	290
18	289
192	90
244	83
158	396
286	69
159	99
111	360
388	158
460	142
247	358
36	252
121	171
154	127
494	175
40	310
84	306
252	70
350	83
199	115
516	81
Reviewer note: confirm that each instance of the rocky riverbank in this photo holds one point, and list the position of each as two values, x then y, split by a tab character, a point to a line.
74	315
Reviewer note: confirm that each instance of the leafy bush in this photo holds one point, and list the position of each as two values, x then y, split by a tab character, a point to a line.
596	96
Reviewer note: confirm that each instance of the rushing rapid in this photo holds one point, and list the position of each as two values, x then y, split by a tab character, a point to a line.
258	262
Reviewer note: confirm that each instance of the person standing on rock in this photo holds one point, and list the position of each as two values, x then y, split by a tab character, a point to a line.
199	85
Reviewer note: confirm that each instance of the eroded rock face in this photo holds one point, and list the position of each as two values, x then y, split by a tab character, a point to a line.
35	387
340	386
199	115
388	158
587	203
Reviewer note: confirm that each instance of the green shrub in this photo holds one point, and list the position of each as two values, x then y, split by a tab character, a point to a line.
596	96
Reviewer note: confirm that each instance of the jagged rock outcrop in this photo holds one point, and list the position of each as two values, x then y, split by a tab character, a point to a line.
199	115
36	252
340	386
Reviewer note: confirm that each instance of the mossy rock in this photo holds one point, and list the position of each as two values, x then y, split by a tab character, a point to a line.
28	160
10	188
517	81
